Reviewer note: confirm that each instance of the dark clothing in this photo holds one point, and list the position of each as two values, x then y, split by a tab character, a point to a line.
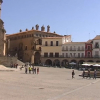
89	74
83	74
95	74
73	74
26	70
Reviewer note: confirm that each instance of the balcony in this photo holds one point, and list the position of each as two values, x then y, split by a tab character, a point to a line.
62	56
72	49
64	49
88	49
37	49
80	49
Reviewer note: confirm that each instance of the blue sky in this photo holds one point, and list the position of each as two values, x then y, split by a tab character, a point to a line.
66	17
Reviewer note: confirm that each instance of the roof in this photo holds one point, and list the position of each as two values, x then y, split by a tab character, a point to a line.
89	41
74	42
32	31
97	37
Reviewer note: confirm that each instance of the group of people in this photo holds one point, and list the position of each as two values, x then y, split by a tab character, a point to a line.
14	65
87	75
30	68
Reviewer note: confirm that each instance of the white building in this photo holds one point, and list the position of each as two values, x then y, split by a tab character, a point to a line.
73	49
96	46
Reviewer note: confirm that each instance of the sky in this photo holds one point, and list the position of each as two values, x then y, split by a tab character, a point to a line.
79	18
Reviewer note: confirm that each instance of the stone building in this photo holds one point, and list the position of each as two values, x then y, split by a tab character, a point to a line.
27	44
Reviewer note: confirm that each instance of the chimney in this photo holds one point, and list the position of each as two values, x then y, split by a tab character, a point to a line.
32	28
54	32
37	27
20	30
26	29
48	28
43	28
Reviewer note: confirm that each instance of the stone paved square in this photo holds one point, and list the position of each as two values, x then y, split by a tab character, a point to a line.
49	84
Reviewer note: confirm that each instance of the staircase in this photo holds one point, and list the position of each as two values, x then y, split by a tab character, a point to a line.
20	63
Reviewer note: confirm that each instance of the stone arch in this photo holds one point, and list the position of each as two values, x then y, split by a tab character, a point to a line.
81	61
37	60
48	62
64	62
90	61
73	61
56	62
98	61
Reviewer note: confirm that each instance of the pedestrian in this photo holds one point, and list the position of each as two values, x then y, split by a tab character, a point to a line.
73	73
83	74
95	74
30	69
88	74
35	70
25	69
38	70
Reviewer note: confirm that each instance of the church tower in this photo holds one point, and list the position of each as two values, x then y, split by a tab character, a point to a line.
2	34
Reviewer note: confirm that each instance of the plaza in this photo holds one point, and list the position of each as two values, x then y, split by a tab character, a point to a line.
50	84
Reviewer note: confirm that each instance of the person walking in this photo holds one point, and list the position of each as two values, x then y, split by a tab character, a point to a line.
25	69
83	74
88	74
30	69
73	73
35	70
95	74
38	70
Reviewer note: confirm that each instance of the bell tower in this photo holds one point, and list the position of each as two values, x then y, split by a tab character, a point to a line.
2	34
1	1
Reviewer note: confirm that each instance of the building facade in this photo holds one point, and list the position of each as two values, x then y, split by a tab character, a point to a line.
27	45
96	46
52	48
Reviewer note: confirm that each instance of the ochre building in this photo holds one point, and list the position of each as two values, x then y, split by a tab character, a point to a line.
27	45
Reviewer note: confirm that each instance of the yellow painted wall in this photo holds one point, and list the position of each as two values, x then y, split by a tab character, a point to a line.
53	48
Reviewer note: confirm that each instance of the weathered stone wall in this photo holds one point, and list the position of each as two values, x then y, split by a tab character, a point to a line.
7	61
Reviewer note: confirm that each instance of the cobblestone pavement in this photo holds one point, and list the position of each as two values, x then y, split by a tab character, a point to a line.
49	84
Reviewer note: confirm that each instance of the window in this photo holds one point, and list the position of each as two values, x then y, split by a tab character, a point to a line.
63	48
71	48
51	43
82	55
66	48
74	48
25	47
88	47
88	54
66	54
56	54
62	54
46	43
36	34
70	54
78	54
51	54
78	48
96	45
32	47
82	47
57	43
74	54
96	53
45	54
